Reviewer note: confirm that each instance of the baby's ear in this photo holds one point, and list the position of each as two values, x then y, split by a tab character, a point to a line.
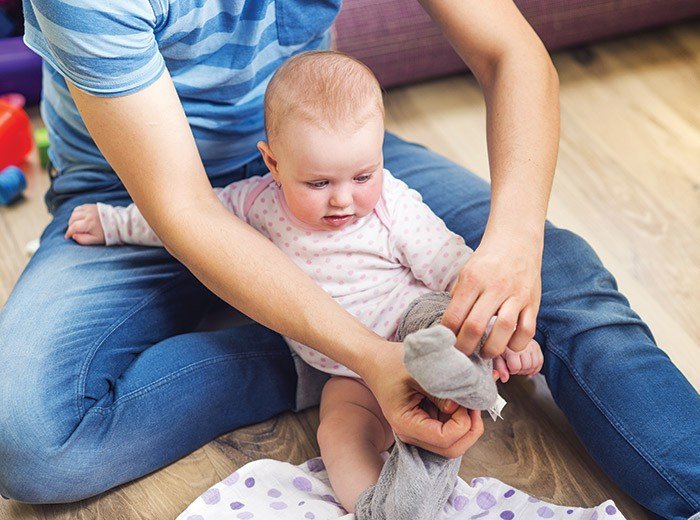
269	159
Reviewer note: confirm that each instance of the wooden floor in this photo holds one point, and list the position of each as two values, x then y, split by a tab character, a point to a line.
628	181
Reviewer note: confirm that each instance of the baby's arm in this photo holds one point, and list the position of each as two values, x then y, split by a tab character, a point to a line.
92	224
421	241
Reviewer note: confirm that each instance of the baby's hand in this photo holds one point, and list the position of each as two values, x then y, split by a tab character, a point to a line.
527	362
84	226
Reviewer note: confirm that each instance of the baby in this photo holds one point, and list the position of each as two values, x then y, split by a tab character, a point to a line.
376	248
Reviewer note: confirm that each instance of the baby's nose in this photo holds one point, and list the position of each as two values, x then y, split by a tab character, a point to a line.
341	198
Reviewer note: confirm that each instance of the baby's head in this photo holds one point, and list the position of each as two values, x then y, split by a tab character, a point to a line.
324	119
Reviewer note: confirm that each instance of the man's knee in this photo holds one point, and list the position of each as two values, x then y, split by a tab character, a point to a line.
26	472
36	465
40	474
569	260
575	281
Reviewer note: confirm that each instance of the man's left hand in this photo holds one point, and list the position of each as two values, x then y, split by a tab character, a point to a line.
502	278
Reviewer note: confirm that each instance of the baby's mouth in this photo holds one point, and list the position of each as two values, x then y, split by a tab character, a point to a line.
337	220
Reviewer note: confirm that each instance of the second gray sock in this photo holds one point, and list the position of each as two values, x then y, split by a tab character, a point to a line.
413	485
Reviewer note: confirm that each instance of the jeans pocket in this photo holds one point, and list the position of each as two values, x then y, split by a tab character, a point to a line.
301	21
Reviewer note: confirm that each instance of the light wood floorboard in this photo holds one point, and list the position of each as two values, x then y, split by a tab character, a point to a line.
628	181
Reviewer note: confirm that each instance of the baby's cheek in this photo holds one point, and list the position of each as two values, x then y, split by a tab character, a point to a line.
306	206
368	199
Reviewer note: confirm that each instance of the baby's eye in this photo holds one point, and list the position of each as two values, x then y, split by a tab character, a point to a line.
363	178
317	184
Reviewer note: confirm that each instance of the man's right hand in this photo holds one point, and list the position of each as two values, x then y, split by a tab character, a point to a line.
450	433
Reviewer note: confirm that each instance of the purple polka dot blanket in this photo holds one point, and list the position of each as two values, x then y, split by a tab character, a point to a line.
269	489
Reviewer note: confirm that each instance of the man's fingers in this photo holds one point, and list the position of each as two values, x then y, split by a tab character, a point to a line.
428	431
525	330
503	328
468	423
475	324
476	430
460	304
447	406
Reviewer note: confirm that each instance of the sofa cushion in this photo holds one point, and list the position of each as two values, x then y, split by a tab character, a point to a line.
400	43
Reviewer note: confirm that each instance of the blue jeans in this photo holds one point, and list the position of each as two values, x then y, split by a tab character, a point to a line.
104	378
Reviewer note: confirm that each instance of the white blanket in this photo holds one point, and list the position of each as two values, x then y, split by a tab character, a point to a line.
269	489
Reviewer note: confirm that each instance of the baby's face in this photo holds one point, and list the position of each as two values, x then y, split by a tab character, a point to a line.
330	179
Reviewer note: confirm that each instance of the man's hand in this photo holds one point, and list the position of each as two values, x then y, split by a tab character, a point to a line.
84	226
449	432
527	362
502	279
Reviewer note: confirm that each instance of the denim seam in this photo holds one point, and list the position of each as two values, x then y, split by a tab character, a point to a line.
80	383
624	433
175	375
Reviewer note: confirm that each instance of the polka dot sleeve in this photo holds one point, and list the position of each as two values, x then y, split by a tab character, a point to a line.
421	240
233	196
126	225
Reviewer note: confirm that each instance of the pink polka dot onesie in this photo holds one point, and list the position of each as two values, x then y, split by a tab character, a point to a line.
374	267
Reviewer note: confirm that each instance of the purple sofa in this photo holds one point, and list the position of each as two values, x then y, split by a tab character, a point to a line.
20	69
400	43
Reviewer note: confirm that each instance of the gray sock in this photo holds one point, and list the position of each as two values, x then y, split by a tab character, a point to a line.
445	372
430	356
414	483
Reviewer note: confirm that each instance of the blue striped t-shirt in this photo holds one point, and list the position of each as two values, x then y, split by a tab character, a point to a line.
220	54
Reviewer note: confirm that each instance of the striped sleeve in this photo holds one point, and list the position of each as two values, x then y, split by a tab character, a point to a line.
104	48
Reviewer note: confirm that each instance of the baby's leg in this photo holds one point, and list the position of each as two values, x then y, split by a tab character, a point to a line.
352	435
415	484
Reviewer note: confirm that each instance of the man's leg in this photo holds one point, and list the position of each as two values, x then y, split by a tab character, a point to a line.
102	379
635	412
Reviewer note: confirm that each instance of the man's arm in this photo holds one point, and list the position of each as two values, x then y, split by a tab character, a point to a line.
146	138
521	90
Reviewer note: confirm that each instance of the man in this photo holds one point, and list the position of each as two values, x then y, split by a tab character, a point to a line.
104	374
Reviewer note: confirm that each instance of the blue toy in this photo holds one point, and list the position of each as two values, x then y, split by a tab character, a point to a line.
12	184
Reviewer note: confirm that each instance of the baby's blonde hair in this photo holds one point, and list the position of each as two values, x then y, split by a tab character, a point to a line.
326	88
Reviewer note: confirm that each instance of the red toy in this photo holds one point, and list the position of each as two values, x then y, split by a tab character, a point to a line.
15	134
